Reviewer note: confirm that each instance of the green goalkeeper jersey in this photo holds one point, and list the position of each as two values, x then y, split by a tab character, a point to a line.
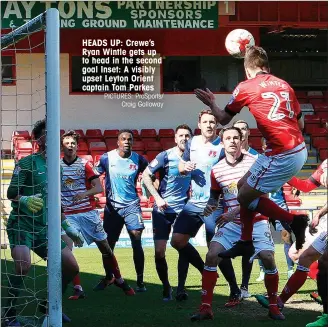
29	178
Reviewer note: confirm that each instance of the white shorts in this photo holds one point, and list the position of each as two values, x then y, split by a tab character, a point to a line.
231	232
309	238
89	225
268	174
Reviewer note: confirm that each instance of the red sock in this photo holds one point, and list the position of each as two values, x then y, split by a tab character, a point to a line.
269	209
76	280
111	265
295	282
246	218
313	270
271	283
208	283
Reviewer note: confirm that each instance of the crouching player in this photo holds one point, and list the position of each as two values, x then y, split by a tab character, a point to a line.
225	176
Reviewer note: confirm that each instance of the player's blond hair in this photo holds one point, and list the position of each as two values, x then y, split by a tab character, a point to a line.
205	112
256	57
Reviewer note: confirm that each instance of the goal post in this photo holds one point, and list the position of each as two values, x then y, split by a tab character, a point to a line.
49	22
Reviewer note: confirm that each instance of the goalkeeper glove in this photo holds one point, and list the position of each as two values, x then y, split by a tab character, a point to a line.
72	233
31	204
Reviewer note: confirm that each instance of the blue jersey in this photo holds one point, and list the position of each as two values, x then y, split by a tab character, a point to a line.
277	197
173	187
252	151
121	177
205	155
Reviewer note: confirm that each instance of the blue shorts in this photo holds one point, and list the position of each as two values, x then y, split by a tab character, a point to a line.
116	218
191	218
268	174
162	224
89	225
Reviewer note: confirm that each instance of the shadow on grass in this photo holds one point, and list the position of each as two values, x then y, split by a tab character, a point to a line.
112	307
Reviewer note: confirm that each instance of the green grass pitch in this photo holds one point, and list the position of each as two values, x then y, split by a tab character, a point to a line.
112	308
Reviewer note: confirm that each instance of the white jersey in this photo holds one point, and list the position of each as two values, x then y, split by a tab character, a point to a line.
225	177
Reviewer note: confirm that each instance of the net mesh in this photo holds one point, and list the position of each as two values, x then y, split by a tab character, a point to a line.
23	280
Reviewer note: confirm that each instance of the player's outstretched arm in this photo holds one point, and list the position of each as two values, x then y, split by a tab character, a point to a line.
208	98
304	185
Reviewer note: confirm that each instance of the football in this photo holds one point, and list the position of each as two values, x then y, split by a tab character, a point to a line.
236	42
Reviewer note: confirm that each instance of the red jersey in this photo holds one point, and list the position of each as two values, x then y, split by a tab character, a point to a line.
275	108
76	178
316	176
225	177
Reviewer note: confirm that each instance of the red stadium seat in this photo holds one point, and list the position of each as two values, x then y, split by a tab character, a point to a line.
111	144
292	201
149	134
166	133
80	132
323	115
111	133
138	146
167	143
323	154
21	135
320	107
315	101
97	146
93	134
82	152
23	146
312	119
94	140
301	94
101	203
320	141
136	135
82	146
311	128
197	131
62	131
146	215
143	201
153	146
152	155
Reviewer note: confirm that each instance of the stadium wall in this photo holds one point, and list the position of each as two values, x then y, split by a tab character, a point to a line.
93	111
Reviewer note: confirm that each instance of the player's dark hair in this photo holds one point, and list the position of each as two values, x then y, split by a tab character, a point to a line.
205	112
240	121
39	126
183	126
124	131
256	57
231	128
72	134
